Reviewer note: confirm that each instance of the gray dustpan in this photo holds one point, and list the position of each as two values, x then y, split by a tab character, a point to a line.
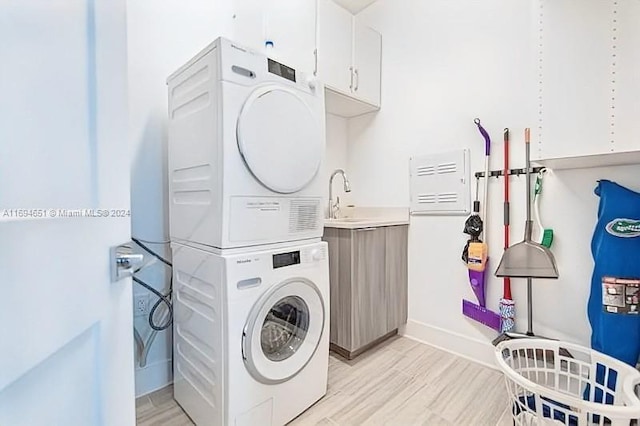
527	259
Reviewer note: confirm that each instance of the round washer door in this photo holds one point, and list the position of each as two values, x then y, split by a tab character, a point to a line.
283	331
279	139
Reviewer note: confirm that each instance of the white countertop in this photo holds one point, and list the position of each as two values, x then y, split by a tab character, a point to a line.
369	217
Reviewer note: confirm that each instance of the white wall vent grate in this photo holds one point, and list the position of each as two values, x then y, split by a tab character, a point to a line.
303	216
440	183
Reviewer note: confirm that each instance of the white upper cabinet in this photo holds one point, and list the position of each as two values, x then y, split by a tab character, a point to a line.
589	89
349	61
627	76
574	72
284	30
367	47
291	26
335	55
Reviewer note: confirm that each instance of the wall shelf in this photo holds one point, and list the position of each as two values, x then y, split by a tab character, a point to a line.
355	6
346	106
590	161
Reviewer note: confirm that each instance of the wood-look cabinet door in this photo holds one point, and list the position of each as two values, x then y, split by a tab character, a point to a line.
396	275
339	242
368	288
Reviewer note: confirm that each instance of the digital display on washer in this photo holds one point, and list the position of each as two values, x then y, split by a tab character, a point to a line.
286	259
282	70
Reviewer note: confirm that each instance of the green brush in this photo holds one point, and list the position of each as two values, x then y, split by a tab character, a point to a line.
545	236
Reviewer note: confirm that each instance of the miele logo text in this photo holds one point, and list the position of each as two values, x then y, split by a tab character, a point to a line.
243	261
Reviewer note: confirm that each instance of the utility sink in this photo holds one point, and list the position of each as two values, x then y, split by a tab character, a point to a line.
367	219
349	219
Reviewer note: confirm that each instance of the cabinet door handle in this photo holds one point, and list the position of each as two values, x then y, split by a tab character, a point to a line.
315	61
351	81
373	228
355	71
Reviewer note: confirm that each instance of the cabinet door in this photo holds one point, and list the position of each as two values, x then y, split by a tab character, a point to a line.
334	46
627	76
367	50
339	242
291	26
368	290
574	78
396	275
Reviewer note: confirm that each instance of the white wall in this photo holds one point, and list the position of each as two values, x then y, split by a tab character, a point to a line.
336	155
444	63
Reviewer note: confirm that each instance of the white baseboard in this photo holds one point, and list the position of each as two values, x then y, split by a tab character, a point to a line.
458	344
153	376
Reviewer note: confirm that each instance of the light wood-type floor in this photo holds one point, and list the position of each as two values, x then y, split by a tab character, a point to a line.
400	382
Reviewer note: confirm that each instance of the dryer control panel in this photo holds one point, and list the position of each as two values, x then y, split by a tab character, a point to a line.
282	70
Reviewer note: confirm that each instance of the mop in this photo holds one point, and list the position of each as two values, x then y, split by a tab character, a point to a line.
477	255
507	305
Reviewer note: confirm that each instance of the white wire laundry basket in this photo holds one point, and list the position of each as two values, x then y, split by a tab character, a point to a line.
556	383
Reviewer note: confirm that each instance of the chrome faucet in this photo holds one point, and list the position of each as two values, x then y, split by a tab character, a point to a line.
335	207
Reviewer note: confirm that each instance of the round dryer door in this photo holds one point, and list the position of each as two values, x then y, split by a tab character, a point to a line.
280	139
283	331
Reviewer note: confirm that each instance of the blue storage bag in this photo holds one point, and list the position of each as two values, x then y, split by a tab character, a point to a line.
613	307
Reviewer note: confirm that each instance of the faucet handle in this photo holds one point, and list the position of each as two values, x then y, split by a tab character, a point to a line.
335	207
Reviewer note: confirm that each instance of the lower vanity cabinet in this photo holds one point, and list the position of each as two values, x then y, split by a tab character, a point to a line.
368	278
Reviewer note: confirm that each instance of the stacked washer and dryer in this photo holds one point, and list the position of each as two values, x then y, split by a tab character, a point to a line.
251	278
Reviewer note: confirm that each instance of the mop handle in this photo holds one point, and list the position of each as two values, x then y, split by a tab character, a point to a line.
485	135
506	188
506	291
487	152
527	141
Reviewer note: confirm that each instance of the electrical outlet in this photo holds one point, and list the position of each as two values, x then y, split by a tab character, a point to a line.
140	305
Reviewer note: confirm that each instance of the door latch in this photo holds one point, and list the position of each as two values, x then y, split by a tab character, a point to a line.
123	261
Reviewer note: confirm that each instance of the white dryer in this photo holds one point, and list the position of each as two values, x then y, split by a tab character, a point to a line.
251	333
246	143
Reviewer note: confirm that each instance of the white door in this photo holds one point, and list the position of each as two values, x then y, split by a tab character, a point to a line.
334	46
367	48
66	351
291	26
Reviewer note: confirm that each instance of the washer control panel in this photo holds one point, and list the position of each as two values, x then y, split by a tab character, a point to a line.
314	254
306	255
281	260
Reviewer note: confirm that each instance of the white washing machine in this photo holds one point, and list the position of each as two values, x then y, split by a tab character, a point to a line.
246	143
251	333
